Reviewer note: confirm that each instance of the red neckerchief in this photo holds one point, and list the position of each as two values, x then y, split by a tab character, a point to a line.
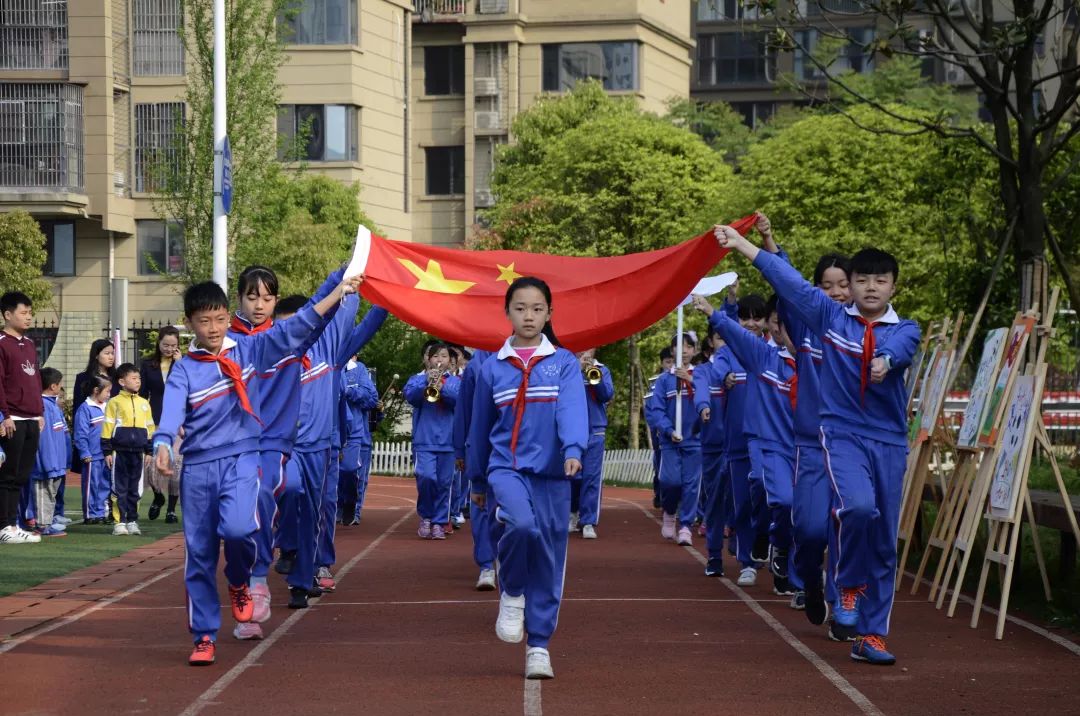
519	399
869	345
689	386
231	370
793	383
242	327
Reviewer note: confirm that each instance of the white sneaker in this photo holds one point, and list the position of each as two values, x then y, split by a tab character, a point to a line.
62	519
458	521
668	530
510	626
59	526
248	631
747	577
14	535
133	528
119	529
538	663
28	535
685	538
486	582
588	532
574	522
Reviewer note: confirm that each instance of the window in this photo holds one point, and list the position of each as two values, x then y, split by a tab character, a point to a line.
33	35
59	247
445	170
156	26
41	137
444	70
161	247
713	10
734	58
157	137
319	22
852	56
613	63
318	133
754	113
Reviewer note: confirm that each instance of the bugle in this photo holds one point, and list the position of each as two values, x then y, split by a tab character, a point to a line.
593	376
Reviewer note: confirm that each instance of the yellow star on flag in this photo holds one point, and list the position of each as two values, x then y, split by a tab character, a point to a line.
432	279
507	273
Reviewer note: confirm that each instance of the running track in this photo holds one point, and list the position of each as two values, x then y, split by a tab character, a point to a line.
641	632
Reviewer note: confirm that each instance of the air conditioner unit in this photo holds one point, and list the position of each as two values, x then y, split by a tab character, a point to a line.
492	7
484	198
486	86
487	120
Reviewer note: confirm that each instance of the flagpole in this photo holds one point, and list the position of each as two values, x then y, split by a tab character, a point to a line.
678	383
221	221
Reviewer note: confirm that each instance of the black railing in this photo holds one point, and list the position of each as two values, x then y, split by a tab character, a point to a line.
138	340
44	337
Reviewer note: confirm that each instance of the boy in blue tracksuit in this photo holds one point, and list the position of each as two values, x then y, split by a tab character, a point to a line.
89	421
529	430
667	362
314	497
866	348
585	492
53	456
767	424
485	530
358	397
680	460
207	395
433	393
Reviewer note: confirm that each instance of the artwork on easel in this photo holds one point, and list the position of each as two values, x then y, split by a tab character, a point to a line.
980	389
924	382
928	409
1005	485
1013	356
913	371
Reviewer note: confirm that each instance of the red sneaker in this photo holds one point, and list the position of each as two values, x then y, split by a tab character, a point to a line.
448	529
243	609
203	655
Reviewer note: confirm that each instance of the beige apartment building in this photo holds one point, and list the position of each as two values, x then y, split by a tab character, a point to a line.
408	100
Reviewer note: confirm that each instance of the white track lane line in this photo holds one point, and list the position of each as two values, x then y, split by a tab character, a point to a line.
533	702
843	685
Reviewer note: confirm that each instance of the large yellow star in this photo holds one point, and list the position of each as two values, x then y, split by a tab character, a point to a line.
507	273
432	279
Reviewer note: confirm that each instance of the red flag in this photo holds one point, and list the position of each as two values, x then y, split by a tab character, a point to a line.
458	295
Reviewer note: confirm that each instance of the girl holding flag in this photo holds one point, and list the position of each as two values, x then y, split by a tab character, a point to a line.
528	433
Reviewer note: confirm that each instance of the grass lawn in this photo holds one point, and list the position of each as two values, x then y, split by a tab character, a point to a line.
24	566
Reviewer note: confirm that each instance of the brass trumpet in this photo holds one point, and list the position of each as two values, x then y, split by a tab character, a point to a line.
593	376
433	391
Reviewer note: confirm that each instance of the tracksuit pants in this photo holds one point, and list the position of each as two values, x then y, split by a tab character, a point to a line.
434	479
325	554
747	508
813	527
45	491
59	506
353	480
271	488
867	476
774	465
308	470
716	482
127	472
21	450
586	490
95	489
220	500
486	531
532	550
459	493
680	478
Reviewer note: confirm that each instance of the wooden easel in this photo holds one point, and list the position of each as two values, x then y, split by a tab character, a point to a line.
926	442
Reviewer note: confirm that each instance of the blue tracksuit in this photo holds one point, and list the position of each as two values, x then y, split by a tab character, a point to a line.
585	492
746	519
219	485
358	398
768	423
53	447
715	478
863	434
89	421
433	445
527	420
485	530
680	463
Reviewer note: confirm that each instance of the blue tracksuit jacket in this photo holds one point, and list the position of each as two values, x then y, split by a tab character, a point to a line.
359	396
463	412
54	448
432	423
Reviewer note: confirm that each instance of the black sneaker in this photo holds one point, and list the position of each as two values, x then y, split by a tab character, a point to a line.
298	597
170	518
778	562
798	600
760	551
715	567
656	502
817	609
286	561
839	632
155	506
315	590
782	587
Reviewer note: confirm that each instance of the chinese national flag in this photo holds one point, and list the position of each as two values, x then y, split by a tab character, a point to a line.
458	295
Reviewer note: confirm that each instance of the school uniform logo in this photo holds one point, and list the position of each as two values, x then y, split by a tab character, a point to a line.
551	370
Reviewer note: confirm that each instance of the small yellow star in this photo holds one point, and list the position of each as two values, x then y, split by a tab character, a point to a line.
507	273
432	279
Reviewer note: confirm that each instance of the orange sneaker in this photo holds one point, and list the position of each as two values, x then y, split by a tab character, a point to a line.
243	609
203	655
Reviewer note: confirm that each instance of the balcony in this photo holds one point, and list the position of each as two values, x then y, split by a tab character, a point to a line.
33	35
440	10
41	138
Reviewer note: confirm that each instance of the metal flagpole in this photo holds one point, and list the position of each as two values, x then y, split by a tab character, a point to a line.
221	221
678	383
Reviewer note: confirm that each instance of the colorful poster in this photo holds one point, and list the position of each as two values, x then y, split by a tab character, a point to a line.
930	408
980	389
1013	356
1005	487
924	381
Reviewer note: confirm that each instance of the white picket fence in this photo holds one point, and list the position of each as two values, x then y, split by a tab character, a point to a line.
623	466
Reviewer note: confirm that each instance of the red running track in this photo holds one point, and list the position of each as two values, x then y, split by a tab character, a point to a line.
642	631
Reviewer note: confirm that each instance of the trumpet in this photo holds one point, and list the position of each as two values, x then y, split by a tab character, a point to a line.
593	376
433	391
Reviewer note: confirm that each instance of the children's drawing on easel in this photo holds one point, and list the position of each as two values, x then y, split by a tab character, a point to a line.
1005	486
924	382
980	389
1013	355
928	409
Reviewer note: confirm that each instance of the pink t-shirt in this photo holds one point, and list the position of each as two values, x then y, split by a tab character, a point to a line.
525	354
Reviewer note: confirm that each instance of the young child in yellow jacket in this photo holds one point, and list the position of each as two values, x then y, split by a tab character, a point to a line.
125	441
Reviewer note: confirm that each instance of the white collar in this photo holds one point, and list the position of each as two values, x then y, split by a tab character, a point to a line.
94	402
544	349
226	345
890	315
351	364
784	353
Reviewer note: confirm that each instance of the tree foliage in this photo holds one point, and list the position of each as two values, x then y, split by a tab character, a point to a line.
22	257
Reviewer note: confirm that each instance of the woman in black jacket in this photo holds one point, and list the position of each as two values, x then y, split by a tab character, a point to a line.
102	361
154	372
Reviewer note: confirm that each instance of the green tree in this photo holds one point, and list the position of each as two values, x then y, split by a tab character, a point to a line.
22	257
721	127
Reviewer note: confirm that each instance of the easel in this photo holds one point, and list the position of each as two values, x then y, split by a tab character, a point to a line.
927	441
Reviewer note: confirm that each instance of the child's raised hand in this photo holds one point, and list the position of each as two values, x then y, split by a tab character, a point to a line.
351	284
729	238
162	461
763	226
702	304
878	370
683	374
